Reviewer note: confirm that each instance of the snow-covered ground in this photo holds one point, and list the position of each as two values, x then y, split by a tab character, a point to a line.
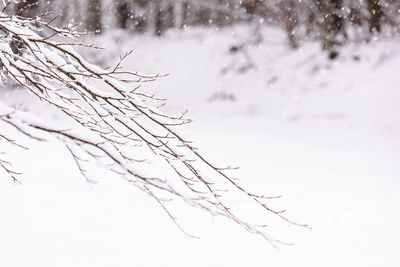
323	134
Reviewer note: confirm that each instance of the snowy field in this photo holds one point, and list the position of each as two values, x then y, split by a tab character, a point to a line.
323	134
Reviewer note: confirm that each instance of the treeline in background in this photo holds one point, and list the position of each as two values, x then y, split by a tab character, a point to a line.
332	22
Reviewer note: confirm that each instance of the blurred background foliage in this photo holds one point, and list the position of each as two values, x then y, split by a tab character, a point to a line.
332	22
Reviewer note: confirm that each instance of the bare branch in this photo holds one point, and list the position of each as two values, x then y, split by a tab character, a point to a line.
113	122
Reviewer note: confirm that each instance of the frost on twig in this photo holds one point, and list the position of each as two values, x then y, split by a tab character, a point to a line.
114	122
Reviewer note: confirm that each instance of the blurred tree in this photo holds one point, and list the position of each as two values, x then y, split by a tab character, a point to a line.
93	18
178	14
289	20
123	13
376	15
332	25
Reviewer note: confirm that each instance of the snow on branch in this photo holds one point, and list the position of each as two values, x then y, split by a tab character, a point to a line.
113	122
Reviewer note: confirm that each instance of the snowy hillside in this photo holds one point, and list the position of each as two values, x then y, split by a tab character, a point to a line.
323	134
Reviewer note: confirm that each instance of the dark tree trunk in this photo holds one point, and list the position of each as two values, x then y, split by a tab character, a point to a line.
93	21
164	12
332	25
159	29
289	20
123	13
376	15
